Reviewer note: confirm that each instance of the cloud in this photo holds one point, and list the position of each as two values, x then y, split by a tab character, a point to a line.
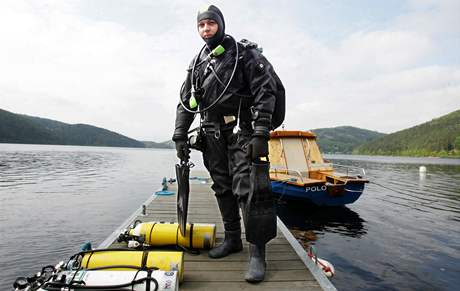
385	79
57	61
120	66
432	17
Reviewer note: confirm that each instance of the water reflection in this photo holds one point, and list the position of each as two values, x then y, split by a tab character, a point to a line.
411	225
403	186
307	221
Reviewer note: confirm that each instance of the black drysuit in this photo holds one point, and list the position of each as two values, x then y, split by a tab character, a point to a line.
251	96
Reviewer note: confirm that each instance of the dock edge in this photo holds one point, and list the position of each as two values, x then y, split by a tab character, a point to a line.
315	271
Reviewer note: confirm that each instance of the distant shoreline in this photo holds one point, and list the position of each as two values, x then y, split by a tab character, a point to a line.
77	145
166	148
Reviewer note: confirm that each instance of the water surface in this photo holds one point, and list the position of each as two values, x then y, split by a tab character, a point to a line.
402	234
55	198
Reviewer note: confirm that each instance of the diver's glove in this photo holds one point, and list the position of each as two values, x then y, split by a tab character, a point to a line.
182	149
258	147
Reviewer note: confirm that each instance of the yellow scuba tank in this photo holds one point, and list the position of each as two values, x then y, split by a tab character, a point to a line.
112	259
197	235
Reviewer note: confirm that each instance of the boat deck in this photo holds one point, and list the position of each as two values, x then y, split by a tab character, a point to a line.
287	265
295	179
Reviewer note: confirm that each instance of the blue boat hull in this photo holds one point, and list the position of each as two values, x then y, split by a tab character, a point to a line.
321	194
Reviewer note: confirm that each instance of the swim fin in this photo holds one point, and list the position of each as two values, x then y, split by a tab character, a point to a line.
260	209
183	190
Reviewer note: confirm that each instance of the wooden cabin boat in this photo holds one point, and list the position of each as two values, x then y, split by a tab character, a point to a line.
299	172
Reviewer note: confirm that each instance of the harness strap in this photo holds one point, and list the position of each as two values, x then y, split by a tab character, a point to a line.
177	235
149	276
89	258
151	231
191	236
145	255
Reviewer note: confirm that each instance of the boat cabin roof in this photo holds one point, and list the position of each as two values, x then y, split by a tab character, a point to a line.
292	133
295	154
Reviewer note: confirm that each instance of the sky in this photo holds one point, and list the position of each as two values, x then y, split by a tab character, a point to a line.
119	64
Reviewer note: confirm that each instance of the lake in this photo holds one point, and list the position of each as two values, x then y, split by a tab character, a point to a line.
402	234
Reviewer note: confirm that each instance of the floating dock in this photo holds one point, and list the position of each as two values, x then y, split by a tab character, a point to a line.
288	267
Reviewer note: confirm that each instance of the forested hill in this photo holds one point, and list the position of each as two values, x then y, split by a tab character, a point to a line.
169	144
18	128
343	139
438	137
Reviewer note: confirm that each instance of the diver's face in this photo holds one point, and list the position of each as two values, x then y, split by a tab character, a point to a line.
207	28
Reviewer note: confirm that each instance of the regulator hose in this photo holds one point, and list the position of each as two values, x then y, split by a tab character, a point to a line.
225	88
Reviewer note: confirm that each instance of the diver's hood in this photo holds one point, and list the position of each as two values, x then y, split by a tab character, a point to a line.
212	12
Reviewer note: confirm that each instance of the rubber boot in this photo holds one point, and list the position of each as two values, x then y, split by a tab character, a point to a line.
232	244
257	264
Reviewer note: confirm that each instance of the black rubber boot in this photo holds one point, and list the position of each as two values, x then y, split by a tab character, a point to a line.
232	244
257	264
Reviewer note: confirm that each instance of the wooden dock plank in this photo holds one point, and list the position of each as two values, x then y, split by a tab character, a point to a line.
285	270
243	256
244	286
238	276
211	265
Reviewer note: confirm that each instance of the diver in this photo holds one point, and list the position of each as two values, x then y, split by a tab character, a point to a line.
233	88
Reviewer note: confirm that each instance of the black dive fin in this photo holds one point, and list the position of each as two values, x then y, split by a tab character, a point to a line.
260	209
183	190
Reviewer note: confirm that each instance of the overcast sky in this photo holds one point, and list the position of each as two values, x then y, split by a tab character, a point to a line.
119	64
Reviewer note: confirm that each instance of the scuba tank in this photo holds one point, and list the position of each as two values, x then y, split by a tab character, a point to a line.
121	260
109	269
114	280
197	235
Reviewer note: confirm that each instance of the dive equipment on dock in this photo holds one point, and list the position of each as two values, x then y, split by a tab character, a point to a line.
197	235
164	188
110	269
114	280
125	259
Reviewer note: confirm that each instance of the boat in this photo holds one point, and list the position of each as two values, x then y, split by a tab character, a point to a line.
299	172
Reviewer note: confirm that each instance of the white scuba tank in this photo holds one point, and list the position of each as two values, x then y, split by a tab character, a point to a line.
167	280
